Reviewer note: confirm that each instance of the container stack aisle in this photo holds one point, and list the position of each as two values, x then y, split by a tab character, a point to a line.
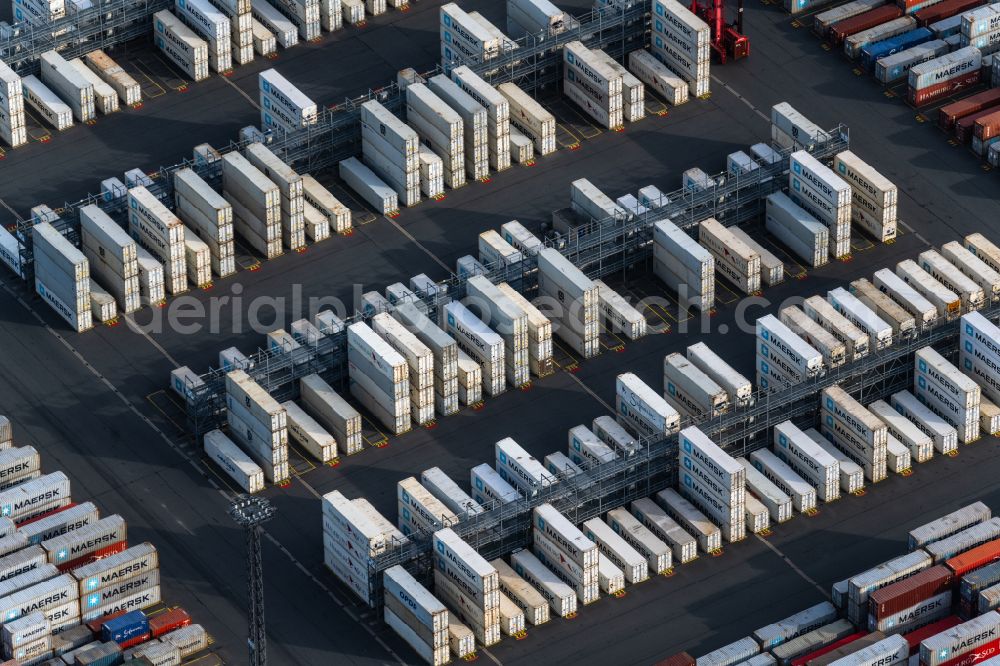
580	325
256	205
530	119
293	224
379	378
474	121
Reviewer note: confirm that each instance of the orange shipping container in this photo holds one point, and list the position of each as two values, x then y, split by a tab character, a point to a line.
975	558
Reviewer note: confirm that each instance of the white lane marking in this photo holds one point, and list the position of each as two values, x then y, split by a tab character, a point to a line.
741	98
802	574
248	98
193	464
138	329
492	658
420	245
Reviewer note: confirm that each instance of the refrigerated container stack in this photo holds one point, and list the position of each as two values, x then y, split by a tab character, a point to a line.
181	45
419	511
540	361
112	256
873	196
690	391
12	128
264	42
971	294
585	448
441	128
209	215
564	549
445	355
392	150
52	109
856	431
305	15
351	537
593	85
833	350
416	615
241	29
590	203
531	17
152	286
973	267
979	354
579	314
497	115
233	461
468	584
332	412
293	223
475	124
379	377
162	232
657	76
786	479
621	316
256	204
509	320
258	423
904	324
738	388
905	431
480	343
824	195
681	41
420	360
852	476
211	25
530	119
285	32
338	216
879	331
464	40
642	410
69	84
62	276
784	358
713	481
947	302
128	89
105	97
283	106
633	91
943	389
809	460
736	261
307	432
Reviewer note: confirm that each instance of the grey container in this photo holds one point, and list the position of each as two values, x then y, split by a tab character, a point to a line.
795	625
811	641
733	653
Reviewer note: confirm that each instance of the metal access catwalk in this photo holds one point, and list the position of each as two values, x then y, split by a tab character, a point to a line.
600	248
602	487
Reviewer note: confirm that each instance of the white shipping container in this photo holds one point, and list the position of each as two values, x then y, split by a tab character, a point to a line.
808	459
944	435
949	524
833	350
642	539
924	312
653	517
919	443
778	504
805	359
622	555
803	495
797	229
798	624
844	302
973	268
644	409
333	412
734	653
449	493
970	293
947	302
856	341
561	597
904	325
533	604
738	387
519	468
708	535
489	487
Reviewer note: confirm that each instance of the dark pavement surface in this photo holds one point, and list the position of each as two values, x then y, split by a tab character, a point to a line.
93	430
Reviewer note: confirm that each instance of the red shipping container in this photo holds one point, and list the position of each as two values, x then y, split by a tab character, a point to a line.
987	126
843	29
132	642
965	126
679	659
919	97
802	661
943	10
97	625
950	113
46	514
976	655
910	591
113	549
915	637
975	558
177	618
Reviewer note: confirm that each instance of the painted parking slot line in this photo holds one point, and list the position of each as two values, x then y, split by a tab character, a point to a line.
171	69
786	258
143	68
580	122
573	141
160	90
151	398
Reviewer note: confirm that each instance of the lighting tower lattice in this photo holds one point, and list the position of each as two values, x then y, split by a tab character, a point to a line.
250	513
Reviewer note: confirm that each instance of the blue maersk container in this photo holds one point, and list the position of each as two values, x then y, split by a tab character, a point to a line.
125	627
871	53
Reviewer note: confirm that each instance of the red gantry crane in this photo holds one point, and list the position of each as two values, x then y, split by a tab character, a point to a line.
728	41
